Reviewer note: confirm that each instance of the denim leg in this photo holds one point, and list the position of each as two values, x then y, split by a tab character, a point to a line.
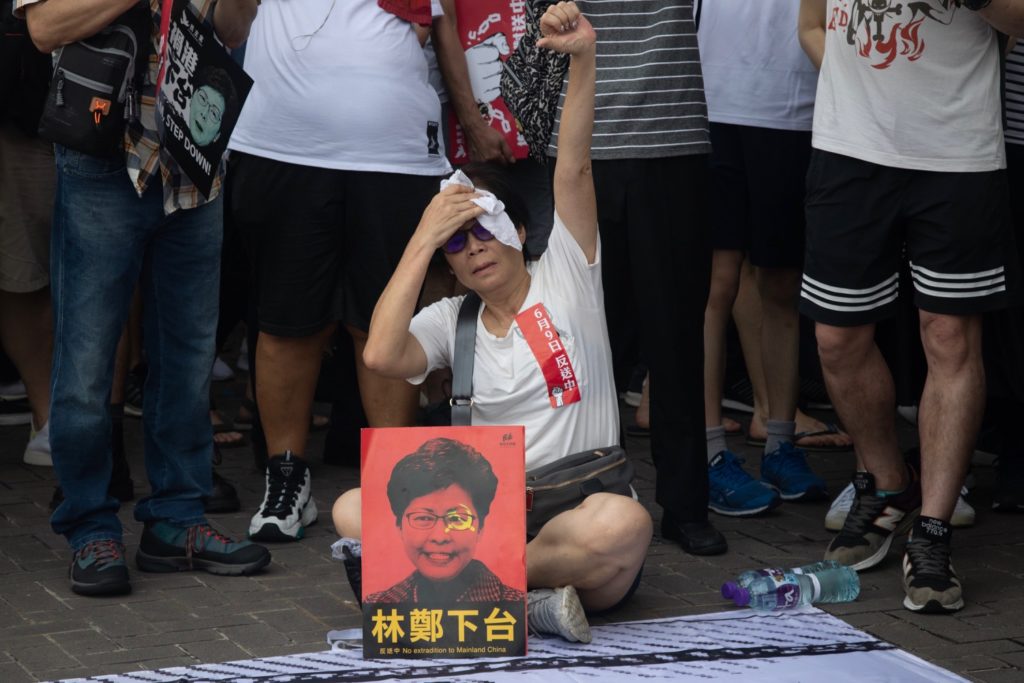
96	252
180	289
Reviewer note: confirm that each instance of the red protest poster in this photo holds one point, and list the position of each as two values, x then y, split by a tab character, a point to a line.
444	542
490	31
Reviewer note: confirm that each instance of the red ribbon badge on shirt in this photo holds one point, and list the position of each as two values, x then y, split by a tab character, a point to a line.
551	355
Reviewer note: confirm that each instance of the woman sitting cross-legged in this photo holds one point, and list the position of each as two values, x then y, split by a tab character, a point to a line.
590	556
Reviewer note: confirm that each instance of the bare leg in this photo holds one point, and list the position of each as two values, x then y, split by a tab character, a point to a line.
386	402
861	388
780	339
597	547
287	370
747	314
952	405
725	278
26	334
347	514
643	411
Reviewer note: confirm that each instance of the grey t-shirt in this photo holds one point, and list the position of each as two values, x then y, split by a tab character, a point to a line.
650	93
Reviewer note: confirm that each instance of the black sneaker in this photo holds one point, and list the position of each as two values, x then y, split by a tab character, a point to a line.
98	568
167	548
873	521
929	580
354	572
739	396
288	506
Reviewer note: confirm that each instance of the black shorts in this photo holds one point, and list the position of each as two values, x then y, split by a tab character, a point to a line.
862	217
757	192
323	243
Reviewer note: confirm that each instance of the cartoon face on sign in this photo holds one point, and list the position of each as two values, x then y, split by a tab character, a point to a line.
213	96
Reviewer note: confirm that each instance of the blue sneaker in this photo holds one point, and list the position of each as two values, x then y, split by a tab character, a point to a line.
735	493
787	470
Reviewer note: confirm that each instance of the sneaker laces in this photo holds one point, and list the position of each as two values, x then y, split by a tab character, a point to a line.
862	516
791	461
282	494
730	473
929	558
199	536
105	551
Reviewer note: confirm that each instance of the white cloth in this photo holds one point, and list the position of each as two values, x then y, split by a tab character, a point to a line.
495	220
925	97
340	84
755	72
508	385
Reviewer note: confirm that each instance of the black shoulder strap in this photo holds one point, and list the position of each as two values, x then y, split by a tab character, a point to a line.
462	363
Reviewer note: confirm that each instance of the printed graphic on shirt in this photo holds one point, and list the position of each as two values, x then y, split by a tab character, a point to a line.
886	30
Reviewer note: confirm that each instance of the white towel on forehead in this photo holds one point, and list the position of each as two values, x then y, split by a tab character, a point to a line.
495	219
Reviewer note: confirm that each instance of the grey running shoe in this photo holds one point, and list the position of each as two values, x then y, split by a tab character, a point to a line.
557	612
873	521
929	580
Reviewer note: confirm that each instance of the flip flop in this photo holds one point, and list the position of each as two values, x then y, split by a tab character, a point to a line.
225	428
830	429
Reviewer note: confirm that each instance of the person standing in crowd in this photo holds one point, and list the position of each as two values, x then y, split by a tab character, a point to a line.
26	210
650	156
118	219
337	151
898	164
760	92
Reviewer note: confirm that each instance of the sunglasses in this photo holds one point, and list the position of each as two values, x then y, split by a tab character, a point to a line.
459	240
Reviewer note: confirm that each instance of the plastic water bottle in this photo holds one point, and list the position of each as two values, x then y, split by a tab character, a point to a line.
749	576
783	590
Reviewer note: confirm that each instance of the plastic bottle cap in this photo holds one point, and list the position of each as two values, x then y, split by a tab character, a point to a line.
729	589
741	596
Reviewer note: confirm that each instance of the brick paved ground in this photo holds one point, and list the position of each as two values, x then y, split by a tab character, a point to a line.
47	632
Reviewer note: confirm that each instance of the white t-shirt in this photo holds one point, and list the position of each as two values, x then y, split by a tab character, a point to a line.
508	385
916	89
340	84
755	72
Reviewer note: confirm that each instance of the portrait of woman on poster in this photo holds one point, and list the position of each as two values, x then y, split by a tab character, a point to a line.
440	496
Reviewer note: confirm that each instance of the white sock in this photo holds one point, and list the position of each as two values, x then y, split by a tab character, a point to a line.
716	441
779	432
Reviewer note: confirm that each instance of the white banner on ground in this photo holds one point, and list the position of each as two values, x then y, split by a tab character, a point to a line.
800	645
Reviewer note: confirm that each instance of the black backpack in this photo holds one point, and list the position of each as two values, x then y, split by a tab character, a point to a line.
24	73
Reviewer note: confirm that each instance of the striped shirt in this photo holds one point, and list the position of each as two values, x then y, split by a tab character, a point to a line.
650	94
143	154
1014	129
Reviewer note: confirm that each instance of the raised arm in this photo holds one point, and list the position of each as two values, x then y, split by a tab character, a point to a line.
811	29
565	29
391	350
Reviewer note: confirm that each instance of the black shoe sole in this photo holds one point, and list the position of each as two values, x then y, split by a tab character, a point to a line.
155	563
102	588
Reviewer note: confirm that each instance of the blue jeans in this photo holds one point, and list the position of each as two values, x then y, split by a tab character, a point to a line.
106	239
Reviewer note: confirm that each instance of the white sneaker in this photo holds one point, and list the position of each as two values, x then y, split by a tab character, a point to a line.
836	515
908	413
221	371
963	513
243	356
288	506
37	452
557	612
